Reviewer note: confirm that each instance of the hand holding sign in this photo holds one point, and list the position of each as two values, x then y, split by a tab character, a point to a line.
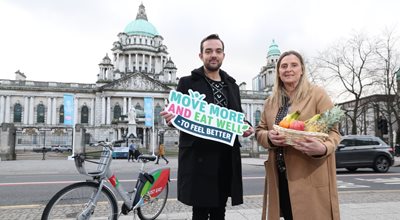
168	116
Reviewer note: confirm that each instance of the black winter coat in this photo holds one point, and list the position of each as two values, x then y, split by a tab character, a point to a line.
199	162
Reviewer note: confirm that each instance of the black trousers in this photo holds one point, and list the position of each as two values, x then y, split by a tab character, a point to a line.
284	197
130	155
205	213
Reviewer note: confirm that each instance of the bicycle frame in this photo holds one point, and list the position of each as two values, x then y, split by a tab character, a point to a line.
148	186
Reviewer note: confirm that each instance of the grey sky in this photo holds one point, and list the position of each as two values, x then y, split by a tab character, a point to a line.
54	40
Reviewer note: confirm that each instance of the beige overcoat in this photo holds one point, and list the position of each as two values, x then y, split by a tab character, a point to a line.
312	180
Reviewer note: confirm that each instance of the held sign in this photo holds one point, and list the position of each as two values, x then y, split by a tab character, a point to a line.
209	121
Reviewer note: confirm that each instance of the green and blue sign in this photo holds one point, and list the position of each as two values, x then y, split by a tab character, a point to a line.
68	109
209	121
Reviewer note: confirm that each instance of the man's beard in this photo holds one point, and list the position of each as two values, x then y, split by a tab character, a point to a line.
212	67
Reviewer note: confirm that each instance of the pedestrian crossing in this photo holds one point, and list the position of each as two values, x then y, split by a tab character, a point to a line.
348	185
389	181
366	182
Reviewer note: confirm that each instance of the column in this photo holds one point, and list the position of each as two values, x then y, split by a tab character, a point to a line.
149	63
130	62
103	110
2	109
143	59
117	63
124	111
123	63
48	115
26	110
136	62
31	110
92	112
108	110
54	112
129	103
8	109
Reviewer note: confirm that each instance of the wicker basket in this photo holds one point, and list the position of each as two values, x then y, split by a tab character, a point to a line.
296	134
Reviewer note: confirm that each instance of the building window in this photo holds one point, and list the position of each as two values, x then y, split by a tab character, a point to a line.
40	113
61	114
17	112
257	116
157	111
85	114
117	112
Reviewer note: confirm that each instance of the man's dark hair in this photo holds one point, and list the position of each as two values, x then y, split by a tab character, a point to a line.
211	37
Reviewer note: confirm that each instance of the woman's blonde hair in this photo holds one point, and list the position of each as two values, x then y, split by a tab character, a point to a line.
302	87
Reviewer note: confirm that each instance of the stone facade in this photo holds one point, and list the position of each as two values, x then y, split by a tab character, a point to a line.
139	68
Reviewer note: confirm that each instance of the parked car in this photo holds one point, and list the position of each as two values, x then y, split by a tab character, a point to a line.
120	152
41	149
61	148
364	151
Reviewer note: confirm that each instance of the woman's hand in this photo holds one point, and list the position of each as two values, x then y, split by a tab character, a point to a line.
168	116
310	146
276	138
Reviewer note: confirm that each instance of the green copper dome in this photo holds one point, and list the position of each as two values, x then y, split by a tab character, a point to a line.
273	50
141	26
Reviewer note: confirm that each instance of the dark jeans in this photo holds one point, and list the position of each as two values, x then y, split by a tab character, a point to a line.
130	156
284	197
205	213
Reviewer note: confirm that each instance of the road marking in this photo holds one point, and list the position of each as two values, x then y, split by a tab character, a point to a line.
347	185
390	181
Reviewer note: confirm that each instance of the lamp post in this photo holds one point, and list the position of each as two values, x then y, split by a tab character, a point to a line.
44	150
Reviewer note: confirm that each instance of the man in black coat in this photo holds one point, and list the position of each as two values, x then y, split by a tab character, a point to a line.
208	171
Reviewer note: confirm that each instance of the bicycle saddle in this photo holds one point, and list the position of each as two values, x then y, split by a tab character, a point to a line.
147	157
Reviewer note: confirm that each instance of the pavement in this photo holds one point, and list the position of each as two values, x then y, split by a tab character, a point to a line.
367	205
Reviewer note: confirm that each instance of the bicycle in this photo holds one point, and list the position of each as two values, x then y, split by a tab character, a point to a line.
94	198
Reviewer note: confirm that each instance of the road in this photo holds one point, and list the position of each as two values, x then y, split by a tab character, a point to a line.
38	186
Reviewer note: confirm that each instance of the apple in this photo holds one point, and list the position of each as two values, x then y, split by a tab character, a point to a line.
297	125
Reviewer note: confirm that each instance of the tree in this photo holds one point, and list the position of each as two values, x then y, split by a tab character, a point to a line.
349	64
389	64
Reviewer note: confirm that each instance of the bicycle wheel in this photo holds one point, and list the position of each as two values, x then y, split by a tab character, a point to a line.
73	201
152	209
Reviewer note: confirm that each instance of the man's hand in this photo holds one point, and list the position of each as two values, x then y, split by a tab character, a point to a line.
248	132
168	116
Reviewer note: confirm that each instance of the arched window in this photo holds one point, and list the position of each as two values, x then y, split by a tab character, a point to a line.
257	116
138	106
40	113
84	114
117	112
17	112
157	111
61	114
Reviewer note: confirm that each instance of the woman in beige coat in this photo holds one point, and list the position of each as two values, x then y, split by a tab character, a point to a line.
300	179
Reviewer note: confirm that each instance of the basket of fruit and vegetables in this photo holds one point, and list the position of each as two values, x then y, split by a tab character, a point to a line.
318	126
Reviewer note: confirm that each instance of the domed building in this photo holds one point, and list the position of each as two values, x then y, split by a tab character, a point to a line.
139	49
137	73
264	81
